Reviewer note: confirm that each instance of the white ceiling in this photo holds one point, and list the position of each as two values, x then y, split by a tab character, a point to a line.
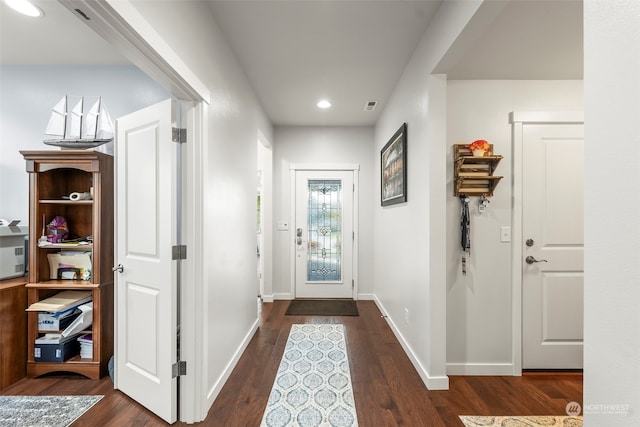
349	51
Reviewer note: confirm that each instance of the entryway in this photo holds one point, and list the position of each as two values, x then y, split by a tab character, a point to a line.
324	233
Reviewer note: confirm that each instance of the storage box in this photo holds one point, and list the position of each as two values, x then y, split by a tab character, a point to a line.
48	321
57	351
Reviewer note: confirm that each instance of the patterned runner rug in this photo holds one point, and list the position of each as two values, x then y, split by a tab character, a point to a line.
522	421
41	411
313	384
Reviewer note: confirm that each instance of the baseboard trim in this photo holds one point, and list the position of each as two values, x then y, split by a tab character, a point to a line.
488	369
222	379
288	296
431	382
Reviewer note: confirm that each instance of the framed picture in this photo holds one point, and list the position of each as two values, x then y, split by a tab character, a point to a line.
393	163
67	273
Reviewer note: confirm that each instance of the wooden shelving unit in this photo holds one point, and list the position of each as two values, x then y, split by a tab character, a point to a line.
53	175
474	175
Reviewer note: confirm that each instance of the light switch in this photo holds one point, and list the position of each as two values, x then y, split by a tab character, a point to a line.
283	225
505	233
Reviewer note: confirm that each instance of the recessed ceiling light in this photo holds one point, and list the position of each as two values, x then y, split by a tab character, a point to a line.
323	104
25	7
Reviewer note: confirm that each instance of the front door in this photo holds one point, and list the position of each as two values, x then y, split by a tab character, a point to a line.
324	234
553	244
146	309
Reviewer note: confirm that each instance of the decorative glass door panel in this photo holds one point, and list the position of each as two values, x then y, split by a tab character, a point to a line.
323	237
324	228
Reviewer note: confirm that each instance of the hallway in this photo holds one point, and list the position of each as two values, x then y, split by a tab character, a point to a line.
387	389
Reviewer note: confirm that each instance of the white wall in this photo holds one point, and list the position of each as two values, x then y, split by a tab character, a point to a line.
612	150
322	145
409	261
29	93
479	321
235	119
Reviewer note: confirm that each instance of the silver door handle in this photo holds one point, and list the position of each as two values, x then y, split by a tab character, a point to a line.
531	260
119	268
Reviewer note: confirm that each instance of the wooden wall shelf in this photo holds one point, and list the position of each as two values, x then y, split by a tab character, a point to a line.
473	175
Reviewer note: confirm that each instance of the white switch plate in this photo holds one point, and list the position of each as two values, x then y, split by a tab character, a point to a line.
283	225
505	233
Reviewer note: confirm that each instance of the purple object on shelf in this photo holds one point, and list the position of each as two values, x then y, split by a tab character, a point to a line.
57	230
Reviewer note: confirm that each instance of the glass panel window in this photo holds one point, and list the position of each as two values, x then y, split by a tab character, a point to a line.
324	253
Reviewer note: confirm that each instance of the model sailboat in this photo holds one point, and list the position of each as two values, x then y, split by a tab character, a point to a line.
77	128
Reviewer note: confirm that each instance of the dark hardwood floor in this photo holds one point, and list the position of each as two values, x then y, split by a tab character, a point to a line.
387	389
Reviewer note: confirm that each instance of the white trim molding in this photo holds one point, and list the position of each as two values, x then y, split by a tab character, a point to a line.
431	382
533	117
217	386
518	119
485	369
324	166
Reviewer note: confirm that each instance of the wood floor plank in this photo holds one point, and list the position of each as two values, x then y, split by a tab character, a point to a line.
387	389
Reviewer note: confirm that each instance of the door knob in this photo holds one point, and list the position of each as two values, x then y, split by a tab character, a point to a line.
531	260
119	268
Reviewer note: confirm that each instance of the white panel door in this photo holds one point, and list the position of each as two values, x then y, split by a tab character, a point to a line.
324	234
553	244
145	233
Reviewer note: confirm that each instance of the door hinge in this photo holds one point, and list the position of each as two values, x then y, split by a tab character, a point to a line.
179	135
179	252
179	369
353	235
353	283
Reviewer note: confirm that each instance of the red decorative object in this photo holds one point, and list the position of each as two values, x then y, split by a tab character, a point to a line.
479	144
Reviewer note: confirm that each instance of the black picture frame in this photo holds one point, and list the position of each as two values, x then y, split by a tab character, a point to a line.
68	273
393	169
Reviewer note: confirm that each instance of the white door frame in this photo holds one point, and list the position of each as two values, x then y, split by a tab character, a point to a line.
518	119
122	25
295	167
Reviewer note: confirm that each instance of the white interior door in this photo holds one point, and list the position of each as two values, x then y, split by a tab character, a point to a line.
324	234
552	264
146	310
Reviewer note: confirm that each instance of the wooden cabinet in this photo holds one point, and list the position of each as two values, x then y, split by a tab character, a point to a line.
53	176
13	329
473	175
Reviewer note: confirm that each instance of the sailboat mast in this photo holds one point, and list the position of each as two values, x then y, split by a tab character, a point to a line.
81	116
64	122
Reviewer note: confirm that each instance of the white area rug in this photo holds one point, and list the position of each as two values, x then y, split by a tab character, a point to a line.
521	421
43	411
313	384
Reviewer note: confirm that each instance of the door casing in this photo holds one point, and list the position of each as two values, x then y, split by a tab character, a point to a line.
293	168
518	119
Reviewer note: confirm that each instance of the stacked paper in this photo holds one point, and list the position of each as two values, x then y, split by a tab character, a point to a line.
86	346
53	339
61	301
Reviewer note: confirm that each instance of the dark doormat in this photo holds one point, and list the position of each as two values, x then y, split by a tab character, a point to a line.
324	307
